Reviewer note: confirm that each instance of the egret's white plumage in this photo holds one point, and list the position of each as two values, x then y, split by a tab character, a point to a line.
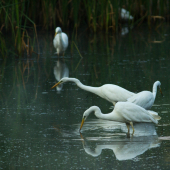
145	99
60	41
125	14
124	112
110	92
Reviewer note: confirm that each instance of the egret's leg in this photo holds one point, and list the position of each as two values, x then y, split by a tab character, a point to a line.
128	127
127	124
131	123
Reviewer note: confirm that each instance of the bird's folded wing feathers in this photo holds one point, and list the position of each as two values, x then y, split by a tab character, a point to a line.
138	114
152	112
143	99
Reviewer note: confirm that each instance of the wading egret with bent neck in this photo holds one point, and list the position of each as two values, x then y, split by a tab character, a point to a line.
110	92
124	112
146	99
60	41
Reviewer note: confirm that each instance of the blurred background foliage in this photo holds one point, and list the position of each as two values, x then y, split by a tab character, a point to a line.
19	16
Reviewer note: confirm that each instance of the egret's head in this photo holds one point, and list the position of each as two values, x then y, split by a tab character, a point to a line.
159	85
65	79
57	30
86	114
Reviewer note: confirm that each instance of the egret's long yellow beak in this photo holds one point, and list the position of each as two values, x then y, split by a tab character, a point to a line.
56	84
161	91
82	123
55	34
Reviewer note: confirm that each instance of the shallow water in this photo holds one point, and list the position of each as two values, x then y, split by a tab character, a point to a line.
39	127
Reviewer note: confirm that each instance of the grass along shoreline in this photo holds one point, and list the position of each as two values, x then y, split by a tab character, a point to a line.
18	16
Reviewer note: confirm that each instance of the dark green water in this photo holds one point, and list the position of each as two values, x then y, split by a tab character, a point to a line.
39	127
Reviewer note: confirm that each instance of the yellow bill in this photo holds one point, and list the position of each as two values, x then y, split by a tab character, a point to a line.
56	84
55	34
82	123
161	91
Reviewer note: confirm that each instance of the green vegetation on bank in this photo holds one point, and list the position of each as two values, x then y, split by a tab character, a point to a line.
18	16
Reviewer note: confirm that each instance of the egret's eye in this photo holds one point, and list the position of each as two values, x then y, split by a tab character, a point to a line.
84	117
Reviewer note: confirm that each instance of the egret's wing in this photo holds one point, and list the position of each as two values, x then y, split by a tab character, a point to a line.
144	99
56	41
134	113
65	40
115	93
154	115
152	112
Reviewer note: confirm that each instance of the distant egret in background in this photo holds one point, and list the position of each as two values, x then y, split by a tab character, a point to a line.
60	70
124	112
146	99
60	41
125	14
110	92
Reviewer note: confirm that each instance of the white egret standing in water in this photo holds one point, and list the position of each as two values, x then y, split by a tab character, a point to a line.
60	41
110	92
124	112
146	99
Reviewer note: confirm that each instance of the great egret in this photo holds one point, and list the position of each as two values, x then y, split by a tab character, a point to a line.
60	41
110	92
146	99
124	112
125	14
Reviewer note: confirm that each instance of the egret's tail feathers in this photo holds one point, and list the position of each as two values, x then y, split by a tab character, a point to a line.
152	112
156	117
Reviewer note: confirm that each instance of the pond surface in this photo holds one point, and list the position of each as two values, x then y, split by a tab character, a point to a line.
39	126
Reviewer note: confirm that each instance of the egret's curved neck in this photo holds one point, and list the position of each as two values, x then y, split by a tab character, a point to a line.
99	149
100	115
154	91
92	153
84	87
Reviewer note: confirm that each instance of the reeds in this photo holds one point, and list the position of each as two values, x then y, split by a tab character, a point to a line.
19	15
15	21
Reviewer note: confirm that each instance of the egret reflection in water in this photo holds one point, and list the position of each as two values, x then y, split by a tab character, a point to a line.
124	30
60	70
124	148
